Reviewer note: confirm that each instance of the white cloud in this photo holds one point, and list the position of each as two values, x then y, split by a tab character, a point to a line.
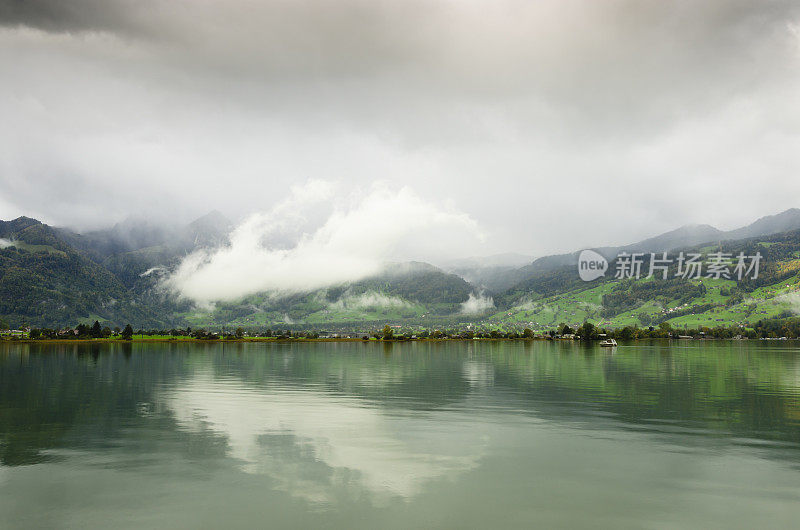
792	300
477	304
152	270
527	304
370	299
306	242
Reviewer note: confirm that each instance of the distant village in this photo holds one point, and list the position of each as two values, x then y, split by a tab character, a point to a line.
585	332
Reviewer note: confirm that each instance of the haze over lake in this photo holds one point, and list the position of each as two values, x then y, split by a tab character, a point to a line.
474	434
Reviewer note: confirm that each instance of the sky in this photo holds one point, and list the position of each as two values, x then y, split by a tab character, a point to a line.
529	127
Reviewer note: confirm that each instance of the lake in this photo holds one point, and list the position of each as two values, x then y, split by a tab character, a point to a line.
481	434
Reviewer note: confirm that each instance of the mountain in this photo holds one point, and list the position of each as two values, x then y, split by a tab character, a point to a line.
418	282
402	292
683	237
210	230
134	246
495	273
559	295
54	277
130	234
135	234
8	229
508	259
44	280
771	224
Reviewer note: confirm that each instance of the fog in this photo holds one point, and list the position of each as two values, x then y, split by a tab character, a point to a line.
477	304
316	238
369	300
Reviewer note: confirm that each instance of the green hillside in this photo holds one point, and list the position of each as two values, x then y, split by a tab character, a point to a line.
52	277
403	292
545	300
44	281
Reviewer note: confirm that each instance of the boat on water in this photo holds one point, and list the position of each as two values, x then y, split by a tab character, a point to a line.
608	343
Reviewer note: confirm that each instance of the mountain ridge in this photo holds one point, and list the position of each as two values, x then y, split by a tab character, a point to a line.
54	276
685	236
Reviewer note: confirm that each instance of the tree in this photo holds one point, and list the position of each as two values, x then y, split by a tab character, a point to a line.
388	334
239	333
96	332
588	331
127	333
527	333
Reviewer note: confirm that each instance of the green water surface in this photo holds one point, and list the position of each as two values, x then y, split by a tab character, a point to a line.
474	434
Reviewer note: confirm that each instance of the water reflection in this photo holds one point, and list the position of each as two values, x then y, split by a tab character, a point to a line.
313	443
330	421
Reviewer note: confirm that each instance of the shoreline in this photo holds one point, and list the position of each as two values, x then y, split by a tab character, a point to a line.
382	341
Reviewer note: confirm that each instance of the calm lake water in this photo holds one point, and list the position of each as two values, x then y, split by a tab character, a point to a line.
420	435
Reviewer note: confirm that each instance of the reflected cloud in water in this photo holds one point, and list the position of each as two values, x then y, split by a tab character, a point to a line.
314	443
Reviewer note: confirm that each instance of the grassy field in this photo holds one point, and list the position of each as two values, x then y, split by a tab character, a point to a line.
577	306
38	248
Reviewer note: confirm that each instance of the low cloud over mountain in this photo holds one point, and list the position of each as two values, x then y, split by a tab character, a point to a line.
306	243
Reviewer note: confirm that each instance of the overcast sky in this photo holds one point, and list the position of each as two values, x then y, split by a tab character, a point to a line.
552	125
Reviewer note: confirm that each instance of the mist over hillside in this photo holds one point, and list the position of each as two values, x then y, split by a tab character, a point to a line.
131	272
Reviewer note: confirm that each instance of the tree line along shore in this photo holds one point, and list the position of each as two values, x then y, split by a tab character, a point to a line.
768	329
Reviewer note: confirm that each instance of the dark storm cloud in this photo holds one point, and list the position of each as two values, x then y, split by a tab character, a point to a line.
71	15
